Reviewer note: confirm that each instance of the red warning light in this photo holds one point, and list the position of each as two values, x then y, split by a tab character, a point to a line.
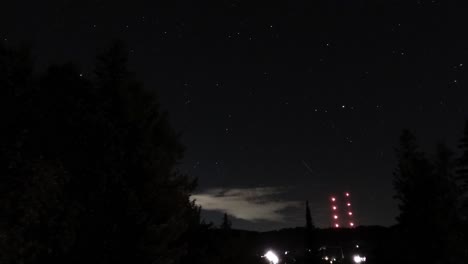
341	218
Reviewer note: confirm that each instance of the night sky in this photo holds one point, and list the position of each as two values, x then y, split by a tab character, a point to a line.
278	102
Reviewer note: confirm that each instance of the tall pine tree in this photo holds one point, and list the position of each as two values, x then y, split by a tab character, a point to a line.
426	192
412	181
88	170
310	229
446	214
462	173
226	223
309	224
462	183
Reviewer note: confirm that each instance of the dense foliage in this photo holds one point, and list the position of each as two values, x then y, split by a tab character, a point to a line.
88	167
429	224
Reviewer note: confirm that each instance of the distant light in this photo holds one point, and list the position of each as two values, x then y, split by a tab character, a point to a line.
326	258
335	216
334	207
357	246
347	194
271	257
351	224
333	199
350	213
349	204
359	259
285	252
337	225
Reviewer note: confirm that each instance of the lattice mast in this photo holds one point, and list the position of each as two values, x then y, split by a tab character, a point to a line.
341	211
335	216
349	211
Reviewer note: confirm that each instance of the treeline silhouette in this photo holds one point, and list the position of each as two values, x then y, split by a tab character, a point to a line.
88	167
88	174
433	197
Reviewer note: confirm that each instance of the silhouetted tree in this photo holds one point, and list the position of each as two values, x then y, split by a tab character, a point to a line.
309	224
412	169
88	168
462	173
30	185
413	190
427	195
226	223
462	181
447	217
310	232
199	241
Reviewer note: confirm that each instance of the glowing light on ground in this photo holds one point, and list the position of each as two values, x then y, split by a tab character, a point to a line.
359	259
271	257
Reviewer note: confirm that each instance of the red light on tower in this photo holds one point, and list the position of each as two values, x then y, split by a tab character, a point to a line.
335	213
341	205
349	210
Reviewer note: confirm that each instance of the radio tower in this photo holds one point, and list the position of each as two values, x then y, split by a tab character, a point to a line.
349	211
344	207
335	212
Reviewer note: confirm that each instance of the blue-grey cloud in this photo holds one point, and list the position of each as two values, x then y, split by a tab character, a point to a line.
251	204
